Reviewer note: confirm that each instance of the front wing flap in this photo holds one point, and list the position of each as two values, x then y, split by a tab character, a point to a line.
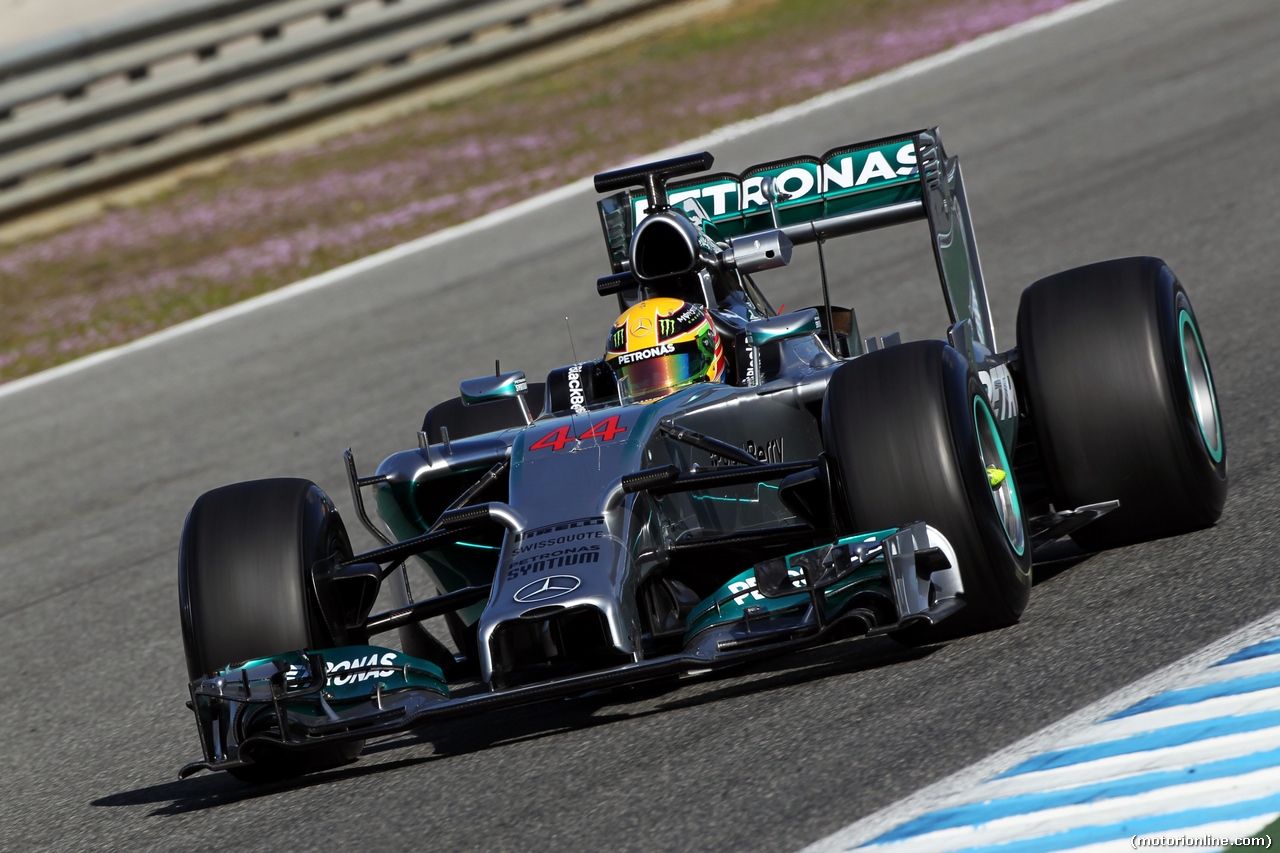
332	695
886	580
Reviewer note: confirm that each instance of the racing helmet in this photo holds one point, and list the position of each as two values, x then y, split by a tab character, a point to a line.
662	345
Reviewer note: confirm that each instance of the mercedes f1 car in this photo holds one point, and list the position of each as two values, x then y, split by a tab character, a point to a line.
829	486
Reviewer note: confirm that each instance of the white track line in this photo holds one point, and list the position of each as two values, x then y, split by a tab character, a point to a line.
1117	767
1231	671
500	217
1105	812
961	787
1235	705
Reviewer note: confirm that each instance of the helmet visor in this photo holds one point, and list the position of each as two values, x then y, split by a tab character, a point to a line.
664	374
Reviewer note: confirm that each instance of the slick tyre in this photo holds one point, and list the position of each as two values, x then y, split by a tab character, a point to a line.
912	438
245	590
1122	400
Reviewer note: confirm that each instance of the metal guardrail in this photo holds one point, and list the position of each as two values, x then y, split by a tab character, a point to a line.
92	107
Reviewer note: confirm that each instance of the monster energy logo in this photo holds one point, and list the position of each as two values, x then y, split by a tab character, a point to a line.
619	337
666	327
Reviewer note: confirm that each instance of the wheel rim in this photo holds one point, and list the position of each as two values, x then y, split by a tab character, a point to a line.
1204	400
1004	492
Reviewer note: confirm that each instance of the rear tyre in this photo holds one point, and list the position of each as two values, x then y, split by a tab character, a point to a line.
912	436
245	590
1123	400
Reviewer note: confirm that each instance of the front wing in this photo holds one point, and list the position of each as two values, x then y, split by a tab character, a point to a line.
867	584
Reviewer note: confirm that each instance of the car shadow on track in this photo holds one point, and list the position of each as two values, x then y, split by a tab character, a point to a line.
547	719
643	700
578	713
211	791
1054	558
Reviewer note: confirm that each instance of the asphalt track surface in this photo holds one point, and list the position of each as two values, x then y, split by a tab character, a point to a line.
1142	128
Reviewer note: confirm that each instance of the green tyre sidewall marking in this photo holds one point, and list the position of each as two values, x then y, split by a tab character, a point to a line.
984	423
1214	447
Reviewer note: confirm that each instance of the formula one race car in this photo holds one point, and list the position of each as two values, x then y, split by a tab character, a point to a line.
727	483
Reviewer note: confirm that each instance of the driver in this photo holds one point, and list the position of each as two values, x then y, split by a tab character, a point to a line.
662	345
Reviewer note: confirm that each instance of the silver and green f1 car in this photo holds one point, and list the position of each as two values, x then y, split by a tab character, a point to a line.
831	486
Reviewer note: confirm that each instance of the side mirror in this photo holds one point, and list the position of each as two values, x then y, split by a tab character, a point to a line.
793	325
486	389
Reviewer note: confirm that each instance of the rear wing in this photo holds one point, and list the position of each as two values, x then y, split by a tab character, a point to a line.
848	190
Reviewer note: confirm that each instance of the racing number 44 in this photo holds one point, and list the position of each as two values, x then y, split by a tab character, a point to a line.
606	430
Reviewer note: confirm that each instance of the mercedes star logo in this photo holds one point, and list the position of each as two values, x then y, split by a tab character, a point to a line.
641	328
547	589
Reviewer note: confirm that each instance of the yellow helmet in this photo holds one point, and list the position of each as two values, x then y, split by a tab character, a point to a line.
662	345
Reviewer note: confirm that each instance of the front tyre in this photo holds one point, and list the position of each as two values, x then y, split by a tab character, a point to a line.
245	590
913	438
1123	400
